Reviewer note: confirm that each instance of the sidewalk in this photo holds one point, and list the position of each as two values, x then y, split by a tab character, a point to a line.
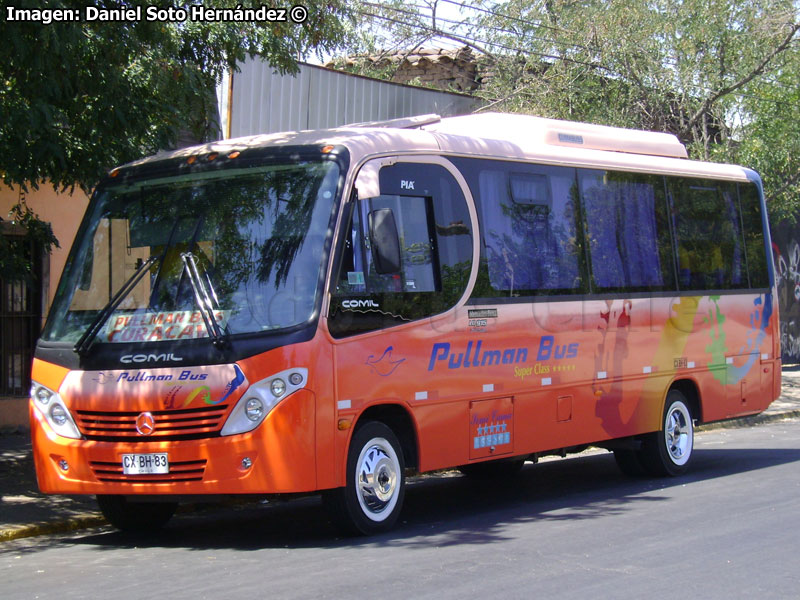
25	512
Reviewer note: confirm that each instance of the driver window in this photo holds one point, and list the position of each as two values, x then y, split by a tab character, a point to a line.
435	235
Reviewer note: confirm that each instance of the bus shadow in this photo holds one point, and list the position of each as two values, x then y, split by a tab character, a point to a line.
453	509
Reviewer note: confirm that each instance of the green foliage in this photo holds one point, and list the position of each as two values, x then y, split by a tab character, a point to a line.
28	234
771	141
77	98
666	65
720	74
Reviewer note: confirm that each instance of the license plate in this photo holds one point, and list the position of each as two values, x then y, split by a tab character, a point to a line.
145	464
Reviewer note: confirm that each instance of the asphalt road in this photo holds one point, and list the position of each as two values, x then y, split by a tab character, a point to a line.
574	528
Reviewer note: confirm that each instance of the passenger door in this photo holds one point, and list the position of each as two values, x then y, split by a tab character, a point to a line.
387	323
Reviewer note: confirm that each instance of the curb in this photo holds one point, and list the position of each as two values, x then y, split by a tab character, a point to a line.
750	421
90	520
37	529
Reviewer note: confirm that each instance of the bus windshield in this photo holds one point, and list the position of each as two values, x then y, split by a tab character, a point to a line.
255	237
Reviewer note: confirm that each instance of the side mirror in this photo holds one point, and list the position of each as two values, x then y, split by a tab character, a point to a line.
384	241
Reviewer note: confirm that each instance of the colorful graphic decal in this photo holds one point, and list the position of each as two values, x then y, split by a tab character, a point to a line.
169	388
759	321
674	337
233	384
385	365
491	431
170	400
717	346
615	325
203	392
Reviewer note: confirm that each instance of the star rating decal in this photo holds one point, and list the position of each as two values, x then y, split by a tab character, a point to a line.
492	435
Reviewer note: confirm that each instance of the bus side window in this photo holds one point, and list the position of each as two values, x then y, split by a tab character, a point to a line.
708	234
753	229
531	240
627	230
435	235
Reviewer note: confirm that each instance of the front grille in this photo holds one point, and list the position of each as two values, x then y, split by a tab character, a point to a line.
186	424
189	470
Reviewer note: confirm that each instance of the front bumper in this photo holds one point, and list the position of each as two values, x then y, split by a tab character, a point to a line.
281	450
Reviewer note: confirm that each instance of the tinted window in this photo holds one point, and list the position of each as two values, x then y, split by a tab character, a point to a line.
627	231
258	236
435	235
530	230
753	227
710	251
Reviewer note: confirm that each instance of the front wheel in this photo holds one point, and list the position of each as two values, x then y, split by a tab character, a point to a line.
668	452
135	516
373	497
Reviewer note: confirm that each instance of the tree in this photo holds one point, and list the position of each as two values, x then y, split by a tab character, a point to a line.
77	98
719	74
770	143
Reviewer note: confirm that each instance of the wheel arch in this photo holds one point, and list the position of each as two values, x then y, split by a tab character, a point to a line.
689	388
400	421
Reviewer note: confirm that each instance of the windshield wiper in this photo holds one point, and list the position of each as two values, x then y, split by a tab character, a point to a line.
203	299
97	324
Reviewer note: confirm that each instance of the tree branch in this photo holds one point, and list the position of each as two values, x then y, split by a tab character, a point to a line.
786	185
758	70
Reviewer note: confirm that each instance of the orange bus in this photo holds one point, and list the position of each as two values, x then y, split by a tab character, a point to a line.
323	311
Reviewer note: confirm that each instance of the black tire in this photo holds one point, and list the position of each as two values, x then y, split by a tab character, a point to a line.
493	469
371	501
144	517
630	462
668	452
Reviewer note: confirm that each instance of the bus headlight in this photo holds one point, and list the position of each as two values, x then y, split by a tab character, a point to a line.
42	394
260	398
254	409
58	415
52	408
278	387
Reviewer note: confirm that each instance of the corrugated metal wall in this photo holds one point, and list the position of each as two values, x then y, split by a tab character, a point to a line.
316	98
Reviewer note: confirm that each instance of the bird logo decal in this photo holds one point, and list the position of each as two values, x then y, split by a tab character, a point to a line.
385	365
103	378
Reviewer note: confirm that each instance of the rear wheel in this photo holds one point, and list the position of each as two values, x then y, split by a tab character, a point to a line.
373	497
668	452
136	516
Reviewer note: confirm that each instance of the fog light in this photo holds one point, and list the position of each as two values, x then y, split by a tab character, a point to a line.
246	462
63	465
278	387
58	414
295	379
254	409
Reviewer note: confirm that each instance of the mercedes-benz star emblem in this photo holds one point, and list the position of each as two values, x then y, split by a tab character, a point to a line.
145	423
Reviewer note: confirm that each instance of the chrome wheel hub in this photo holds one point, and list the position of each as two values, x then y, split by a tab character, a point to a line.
678	434
377	478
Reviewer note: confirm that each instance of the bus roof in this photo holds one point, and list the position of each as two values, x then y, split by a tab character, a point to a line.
493	135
